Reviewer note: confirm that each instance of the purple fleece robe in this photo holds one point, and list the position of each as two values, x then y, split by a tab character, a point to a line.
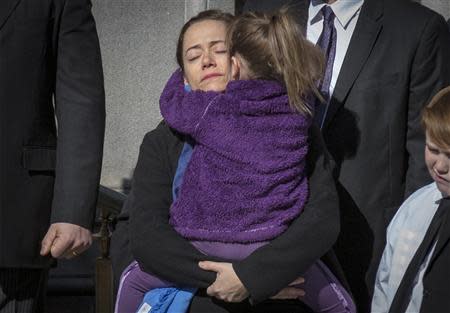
246	179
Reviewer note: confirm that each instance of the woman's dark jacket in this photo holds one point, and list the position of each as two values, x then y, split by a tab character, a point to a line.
160	250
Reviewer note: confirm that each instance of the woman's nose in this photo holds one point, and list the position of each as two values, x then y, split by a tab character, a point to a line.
208	60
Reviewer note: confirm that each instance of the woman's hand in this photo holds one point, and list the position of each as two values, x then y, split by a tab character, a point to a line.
292	291
227	287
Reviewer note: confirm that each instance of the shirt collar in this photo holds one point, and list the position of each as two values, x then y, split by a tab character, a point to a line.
344	10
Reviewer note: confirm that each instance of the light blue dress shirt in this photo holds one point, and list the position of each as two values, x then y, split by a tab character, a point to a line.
404	235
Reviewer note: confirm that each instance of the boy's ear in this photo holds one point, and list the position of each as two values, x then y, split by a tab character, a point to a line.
235	68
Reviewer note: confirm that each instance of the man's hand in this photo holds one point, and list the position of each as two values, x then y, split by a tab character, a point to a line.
227	287
65	240
292	291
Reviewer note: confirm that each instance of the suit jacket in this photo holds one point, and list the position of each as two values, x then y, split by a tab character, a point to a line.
50	67
396	61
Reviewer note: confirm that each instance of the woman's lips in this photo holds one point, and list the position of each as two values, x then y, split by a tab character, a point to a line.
212	75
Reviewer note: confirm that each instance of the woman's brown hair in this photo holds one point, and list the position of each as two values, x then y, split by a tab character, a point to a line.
275	48
436	118
208	15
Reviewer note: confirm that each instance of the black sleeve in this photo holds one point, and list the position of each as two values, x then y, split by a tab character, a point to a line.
154	243
310	236
80	113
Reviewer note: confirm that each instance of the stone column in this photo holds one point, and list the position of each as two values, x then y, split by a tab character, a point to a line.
193	7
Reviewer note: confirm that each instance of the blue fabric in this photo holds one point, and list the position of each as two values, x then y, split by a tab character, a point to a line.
167	300
182	300
183	162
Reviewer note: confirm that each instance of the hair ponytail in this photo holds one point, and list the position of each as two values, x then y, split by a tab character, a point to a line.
275	48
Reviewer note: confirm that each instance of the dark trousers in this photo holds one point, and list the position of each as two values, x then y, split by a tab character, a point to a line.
22	290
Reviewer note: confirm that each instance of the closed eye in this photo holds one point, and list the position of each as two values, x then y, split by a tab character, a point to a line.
193	58
433	150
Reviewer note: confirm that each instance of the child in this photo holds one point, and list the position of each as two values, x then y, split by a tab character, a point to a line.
246	179
417	222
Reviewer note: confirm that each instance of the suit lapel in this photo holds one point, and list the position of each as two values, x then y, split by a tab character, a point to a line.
363	39
6	8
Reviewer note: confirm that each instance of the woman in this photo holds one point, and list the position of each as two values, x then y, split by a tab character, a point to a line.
202	55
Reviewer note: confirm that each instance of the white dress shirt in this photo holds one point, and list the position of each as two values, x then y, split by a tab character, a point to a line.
404	236
347	13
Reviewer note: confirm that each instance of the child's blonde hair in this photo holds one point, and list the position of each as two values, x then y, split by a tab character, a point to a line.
274	48
436	118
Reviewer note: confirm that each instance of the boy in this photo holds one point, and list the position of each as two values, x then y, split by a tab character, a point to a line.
412	275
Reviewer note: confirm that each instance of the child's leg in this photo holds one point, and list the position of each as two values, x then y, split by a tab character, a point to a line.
134	283
324	292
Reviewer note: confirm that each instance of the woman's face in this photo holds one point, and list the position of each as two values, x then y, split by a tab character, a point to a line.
206	60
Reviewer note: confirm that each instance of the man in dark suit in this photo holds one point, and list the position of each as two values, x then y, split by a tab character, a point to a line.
389	58
50	66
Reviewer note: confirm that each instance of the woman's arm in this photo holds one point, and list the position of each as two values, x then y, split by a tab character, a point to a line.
154	243
272	267
183	110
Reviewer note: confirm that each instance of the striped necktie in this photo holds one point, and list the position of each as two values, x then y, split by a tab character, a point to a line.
327	43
